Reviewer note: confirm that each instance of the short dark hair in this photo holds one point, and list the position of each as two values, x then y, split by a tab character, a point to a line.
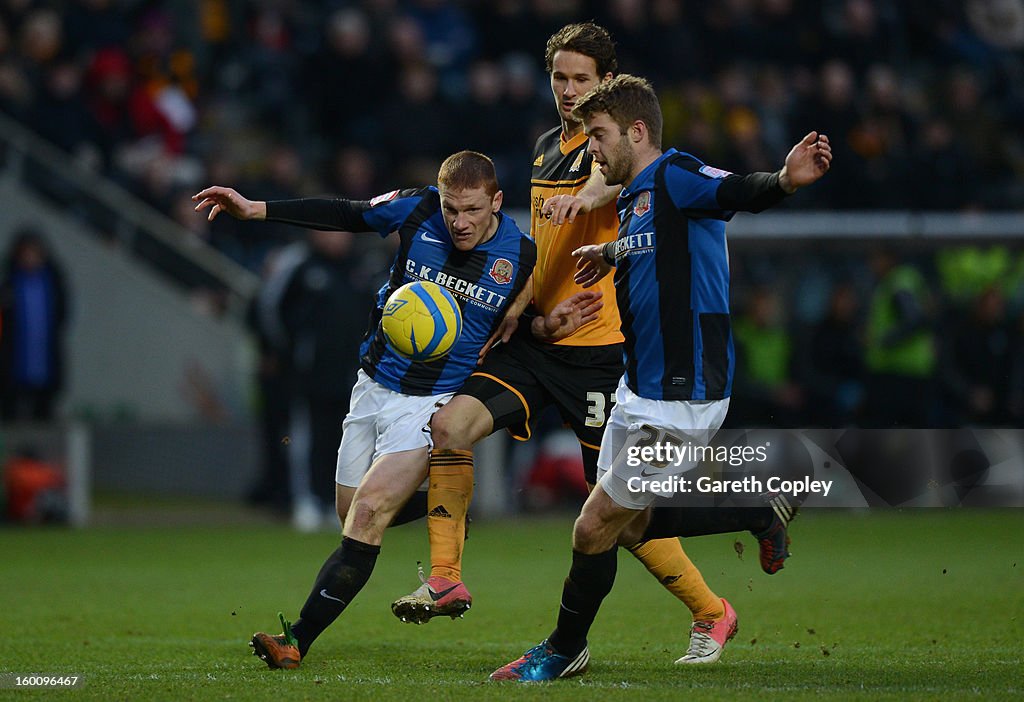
466	170
625	99
584	38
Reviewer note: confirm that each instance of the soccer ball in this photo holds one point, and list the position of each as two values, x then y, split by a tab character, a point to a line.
421	321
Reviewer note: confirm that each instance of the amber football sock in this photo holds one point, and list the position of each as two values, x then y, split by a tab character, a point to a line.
448	498
666	561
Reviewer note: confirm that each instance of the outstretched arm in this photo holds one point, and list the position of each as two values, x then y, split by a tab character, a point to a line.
315	213
807	161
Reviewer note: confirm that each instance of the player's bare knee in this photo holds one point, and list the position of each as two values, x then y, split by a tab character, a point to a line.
368	517
589	535
450	430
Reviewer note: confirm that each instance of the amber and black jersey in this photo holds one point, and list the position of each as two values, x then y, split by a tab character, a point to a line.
562	168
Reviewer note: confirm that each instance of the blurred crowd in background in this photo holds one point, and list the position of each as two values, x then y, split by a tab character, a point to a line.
923	101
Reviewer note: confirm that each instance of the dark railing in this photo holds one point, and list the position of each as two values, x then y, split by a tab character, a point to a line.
119	217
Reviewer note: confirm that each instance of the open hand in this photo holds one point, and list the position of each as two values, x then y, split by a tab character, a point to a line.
808	161
591	266
569	315
220	199
564	208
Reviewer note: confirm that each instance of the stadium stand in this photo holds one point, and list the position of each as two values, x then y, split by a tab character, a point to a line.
923	100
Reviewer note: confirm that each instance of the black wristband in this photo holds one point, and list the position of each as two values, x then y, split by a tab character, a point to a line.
608	252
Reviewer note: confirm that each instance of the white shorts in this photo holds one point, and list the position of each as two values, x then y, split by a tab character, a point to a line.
637	422
381	421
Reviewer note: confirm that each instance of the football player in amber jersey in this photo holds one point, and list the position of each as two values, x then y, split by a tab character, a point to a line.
572	207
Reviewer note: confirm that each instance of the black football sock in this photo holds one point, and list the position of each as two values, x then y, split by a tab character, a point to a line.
590	580
340	579
671	521
415	508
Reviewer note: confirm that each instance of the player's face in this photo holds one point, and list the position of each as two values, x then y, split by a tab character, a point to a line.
470	215
572	76
611	148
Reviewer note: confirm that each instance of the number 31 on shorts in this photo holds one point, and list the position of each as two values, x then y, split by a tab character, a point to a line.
596	403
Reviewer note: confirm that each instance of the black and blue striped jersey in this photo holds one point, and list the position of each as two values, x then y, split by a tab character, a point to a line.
484	280
672	281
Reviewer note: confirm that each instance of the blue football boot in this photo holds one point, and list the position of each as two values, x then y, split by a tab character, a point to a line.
542	663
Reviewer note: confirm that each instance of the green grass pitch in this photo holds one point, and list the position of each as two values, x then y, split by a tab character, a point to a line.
884	605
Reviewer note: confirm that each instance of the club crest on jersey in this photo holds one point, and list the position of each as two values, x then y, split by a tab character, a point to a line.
501	271
578	162
386	197
643	204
